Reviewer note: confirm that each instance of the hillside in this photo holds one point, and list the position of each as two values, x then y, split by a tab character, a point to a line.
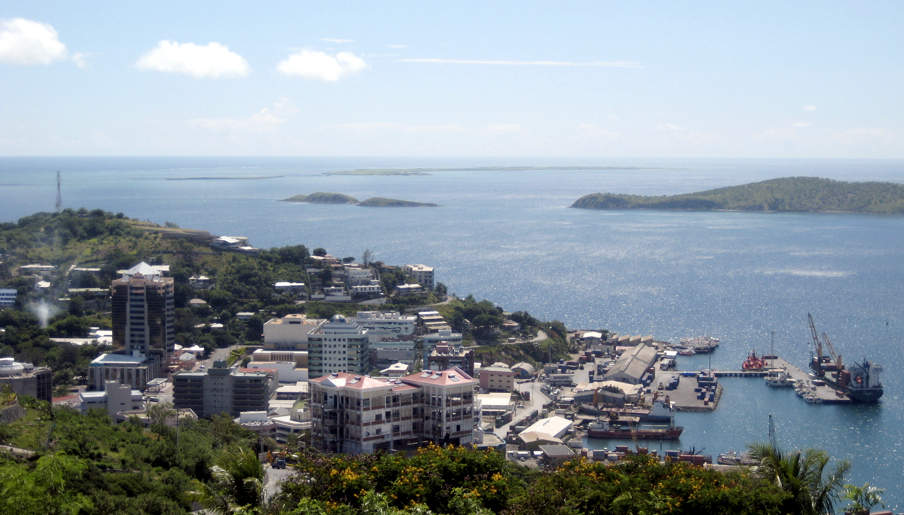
788	194
339	198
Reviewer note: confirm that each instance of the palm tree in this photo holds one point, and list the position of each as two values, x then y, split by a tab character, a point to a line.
236	485
803	476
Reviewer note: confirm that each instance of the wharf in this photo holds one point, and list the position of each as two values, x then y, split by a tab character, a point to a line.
823	394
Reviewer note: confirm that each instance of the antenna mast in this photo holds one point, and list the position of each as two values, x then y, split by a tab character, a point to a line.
59	199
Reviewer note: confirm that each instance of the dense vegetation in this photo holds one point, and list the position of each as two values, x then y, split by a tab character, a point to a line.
802	194
339	198
459	480
89	464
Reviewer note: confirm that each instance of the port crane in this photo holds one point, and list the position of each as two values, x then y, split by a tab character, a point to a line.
819	362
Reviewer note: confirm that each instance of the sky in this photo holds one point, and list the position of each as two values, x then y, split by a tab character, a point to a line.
802	79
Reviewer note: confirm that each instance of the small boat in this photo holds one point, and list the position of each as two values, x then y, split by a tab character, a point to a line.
686	352
779	377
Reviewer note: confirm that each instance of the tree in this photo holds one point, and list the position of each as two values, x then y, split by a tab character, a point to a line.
862	498
319	251
236	484
802	475
367	257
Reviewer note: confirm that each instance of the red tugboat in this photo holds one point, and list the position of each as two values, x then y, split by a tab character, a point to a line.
753	362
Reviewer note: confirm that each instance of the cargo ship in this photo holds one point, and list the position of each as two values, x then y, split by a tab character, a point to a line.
630	428
860	382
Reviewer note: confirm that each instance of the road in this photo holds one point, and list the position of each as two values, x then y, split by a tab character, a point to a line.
537	400
273	478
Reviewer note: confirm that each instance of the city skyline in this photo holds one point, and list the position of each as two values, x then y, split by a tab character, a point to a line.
812	79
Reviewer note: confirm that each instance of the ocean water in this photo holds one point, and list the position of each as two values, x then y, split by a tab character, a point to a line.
510	237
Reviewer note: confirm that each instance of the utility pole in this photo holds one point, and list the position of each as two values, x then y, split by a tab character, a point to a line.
59	197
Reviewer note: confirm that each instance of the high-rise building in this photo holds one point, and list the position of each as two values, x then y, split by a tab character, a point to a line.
221	390
339	345
144	314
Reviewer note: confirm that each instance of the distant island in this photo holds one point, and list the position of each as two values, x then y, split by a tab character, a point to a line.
339	198
426	171
787	194
226	178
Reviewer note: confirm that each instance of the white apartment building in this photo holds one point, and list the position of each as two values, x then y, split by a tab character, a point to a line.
360	414
356	275
291	365
386	325
340	345
290	332
422	274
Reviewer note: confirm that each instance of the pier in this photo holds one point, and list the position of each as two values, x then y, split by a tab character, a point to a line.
822	393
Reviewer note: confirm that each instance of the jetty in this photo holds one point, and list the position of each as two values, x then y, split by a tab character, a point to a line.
811	389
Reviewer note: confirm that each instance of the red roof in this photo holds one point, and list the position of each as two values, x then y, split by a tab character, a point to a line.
451	376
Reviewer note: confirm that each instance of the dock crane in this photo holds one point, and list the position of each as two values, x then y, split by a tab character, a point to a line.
816	361
836	358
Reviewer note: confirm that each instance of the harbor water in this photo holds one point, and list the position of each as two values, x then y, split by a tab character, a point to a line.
510	237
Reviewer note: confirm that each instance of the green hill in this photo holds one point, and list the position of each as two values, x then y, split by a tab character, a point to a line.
788	194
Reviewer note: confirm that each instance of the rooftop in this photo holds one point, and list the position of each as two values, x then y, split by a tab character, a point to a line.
447	377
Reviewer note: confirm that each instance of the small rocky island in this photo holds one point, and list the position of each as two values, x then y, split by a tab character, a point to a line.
339	198
787	194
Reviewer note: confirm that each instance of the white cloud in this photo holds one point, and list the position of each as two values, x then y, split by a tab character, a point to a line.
311	64
267	118
503	128
338	41
79	59
399	127
809	108
210	61
396	46
505	62
801	125
29	42
670	127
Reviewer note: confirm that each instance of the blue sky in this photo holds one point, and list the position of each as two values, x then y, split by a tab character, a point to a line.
594	79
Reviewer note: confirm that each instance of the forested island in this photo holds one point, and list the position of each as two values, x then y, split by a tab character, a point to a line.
339	198
788	194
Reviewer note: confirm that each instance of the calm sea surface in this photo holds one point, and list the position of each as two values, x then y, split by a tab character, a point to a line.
510	237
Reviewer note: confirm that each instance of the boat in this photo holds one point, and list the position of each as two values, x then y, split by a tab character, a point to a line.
733	458
686	351
753	362
630	428
700	344
860	382
779	377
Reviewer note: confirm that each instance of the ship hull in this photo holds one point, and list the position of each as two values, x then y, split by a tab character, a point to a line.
671	433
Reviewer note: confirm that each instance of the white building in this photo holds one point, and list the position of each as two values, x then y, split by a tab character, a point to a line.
422	274
291	365
360	414
297	289
386	325
340	345
114	398
290	332
356	275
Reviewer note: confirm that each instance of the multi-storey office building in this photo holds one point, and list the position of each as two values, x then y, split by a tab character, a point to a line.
221	390
144	315
339	345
